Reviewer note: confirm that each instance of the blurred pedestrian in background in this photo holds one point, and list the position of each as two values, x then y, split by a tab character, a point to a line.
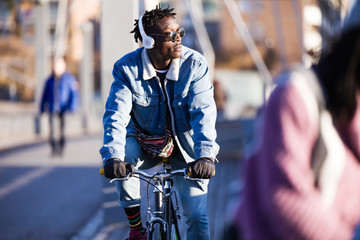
302	177
220	97
60	95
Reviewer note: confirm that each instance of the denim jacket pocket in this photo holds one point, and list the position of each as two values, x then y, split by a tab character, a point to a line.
145	108
181	112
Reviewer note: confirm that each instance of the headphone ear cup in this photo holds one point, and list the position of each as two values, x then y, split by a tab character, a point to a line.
148	42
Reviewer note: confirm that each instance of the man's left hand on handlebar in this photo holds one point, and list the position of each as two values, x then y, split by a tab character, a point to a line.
202	168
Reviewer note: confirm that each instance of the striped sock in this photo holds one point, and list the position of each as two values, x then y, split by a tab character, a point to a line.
134	218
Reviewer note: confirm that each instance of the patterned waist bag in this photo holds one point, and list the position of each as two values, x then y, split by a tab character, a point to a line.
157	146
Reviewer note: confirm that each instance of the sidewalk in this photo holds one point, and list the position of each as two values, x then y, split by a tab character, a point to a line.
17	121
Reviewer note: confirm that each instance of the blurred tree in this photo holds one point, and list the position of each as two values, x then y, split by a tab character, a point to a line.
11	11
10	4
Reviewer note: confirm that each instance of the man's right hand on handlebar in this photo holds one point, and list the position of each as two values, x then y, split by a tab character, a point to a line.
115	168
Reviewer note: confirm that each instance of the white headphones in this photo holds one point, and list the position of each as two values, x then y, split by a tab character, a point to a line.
147	41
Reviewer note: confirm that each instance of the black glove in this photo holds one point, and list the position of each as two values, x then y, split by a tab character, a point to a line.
115	168
202	168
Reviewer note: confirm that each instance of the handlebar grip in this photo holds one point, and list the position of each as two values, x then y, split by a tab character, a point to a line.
102	171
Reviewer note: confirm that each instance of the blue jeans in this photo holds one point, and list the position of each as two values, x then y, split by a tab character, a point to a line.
193	194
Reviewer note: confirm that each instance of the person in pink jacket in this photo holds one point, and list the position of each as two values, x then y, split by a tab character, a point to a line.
302	177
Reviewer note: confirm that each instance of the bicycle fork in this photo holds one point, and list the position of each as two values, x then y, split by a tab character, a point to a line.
158	213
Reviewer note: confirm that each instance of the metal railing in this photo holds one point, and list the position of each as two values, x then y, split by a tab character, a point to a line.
17	76
243	31
195	10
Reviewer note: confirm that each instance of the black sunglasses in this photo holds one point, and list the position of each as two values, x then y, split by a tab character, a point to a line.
173	34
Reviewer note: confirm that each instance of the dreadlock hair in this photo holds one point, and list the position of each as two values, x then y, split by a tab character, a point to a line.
150	18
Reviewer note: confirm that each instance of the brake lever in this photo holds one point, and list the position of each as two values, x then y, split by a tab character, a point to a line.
121	179
194	179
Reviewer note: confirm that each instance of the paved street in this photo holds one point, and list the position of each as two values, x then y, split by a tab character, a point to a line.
49	198
42	197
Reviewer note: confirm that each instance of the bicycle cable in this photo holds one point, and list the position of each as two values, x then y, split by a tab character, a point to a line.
148	181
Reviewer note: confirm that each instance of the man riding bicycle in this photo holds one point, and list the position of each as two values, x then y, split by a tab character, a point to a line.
161	105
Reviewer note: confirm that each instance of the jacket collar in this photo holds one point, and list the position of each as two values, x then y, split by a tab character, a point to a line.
149	70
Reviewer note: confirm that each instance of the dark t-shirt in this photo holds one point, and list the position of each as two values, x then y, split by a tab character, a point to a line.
162	75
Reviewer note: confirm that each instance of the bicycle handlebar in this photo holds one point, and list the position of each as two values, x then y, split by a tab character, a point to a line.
155	176
158	175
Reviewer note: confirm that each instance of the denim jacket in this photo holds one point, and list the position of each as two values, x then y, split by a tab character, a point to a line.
137	88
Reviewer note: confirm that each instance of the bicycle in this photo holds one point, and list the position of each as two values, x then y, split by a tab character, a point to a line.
162	222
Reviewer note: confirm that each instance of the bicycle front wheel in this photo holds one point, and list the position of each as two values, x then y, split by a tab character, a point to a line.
174	234
173	224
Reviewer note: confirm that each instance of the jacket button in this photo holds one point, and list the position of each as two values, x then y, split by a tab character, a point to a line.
159	126
179	103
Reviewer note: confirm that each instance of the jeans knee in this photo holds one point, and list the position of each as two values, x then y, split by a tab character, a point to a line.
197	223
196	215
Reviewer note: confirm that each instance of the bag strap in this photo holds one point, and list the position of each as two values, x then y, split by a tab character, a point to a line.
134	119
137	126
320	151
